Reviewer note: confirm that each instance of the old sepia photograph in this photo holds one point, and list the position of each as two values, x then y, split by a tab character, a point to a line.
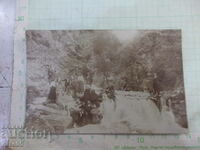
105	82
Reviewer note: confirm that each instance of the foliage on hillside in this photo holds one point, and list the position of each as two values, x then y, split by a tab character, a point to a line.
104	56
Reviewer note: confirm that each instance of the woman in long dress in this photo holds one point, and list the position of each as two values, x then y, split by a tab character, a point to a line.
52	97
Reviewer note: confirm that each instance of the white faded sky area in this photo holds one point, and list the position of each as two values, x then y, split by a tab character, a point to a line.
125	35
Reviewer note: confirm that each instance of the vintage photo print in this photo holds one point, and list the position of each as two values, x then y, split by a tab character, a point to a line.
105	81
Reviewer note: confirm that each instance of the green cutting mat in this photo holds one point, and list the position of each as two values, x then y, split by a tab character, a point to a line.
131	14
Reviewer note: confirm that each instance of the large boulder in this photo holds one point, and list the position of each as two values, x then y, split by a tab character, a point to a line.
48	118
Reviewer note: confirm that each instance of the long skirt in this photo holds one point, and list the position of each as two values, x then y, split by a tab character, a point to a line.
52	95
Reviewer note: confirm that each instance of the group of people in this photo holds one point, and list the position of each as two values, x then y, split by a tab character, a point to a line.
70	86
76	86
87	110
87	100
89	105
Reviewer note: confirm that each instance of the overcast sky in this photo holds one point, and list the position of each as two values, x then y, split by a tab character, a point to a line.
125	35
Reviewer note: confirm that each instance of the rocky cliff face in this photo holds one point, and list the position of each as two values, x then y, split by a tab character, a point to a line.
160	52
